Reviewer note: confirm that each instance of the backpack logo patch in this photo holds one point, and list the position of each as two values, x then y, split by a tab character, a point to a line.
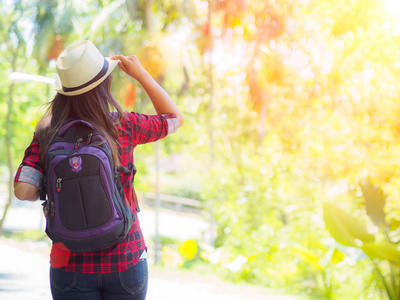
75	163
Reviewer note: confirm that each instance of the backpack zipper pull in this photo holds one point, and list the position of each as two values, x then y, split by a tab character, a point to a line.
78	141
89	138
46	209
58	185
52	209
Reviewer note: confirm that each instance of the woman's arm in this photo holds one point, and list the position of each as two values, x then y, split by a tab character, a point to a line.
162	102
29	176
26	191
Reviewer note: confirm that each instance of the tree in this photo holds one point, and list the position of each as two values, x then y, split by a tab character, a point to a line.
16	44
292	102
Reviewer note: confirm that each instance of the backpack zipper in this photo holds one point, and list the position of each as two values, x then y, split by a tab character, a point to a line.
89	138
78	141
59	180
52	208
58	184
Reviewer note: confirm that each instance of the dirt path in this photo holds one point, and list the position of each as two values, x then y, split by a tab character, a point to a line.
24	276
180	285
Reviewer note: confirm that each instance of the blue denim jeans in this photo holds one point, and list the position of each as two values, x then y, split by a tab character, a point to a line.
130	284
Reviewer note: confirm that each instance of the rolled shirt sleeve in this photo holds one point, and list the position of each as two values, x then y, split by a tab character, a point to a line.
173	124
145	129
31	169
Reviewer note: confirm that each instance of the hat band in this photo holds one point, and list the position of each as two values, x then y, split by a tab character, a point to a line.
102	72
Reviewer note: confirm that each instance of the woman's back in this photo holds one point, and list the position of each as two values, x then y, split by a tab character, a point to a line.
83	93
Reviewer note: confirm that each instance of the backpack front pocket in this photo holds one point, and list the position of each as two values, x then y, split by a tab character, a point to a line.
83	203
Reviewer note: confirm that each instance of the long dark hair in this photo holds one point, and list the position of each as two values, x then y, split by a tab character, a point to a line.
93	106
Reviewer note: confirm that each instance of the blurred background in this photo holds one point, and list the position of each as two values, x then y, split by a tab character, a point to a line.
286	171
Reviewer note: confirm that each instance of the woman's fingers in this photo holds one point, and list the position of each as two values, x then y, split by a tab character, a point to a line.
122	67
115	57
122	59
130	65
123	62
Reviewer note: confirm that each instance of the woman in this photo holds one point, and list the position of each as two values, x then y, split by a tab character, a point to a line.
83	92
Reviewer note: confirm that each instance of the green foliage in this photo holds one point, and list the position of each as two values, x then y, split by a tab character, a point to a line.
344	227
381	248
183	254
287	105
33	235
375	202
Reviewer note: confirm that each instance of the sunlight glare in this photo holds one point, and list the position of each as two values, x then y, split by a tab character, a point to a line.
393	7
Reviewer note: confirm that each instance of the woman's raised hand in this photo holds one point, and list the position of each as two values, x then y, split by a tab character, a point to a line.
130	65
162	102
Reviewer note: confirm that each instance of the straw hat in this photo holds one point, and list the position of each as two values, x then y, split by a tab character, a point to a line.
81	68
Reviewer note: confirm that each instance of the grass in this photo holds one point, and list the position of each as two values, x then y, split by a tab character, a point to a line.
32	235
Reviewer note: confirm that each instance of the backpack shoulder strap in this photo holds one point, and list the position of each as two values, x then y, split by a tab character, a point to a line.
43	191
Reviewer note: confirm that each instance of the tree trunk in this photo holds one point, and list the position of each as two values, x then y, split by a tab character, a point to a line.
210	120
8	147
211	92
149	15
157	242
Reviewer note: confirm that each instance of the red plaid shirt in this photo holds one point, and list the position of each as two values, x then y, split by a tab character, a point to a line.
134	129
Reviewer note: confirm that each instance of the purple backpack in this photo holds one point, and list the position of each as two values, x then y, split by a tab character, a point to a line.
86	208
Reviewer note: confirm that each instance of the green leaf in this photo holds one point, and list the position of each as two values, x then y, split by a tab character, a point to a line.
309	257
337	256
394	224
345	228
382	251
375	201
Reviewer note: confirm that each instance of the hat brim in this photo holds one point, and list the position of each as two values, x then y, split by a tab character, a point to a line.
59	89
